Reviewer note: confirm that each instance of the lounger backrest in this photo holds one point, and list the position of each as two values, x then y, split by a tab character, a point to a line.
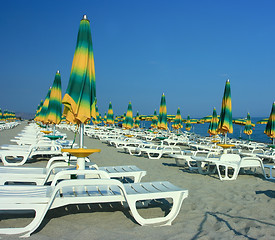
251	162
230	157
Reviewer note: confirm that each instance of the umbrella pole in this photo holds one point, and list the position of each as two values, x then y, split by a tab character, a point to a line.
81	135
81	160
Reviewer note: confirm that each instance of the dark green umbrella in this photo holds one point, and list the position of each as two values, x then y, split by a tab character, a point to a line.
54	111
213	126
154	120
225	123
162	119
188	124
248	126
110	115
177	120
137	121
80	97
43	112
128	124
270	126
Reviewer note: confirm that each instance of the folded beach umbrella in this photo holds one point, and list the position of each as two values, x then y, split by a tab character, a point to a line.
105	118
39	108
263	121
110	115
137	121
270	126
162	119
213	126
54	111
188	124
98	117
43	112
154	120
80	97
248	126
177	120
225	123
129	117
1	114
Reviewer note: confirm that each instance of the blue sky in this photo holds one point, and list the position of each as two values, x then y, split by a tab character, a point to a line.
186	49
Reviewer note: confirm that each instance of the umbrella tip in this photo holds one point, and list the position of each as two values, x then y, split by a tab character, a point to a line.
85	16
57	71
227	80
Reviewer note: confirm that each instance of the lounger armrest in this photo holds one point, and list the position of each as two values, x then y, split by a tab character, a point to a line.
91	173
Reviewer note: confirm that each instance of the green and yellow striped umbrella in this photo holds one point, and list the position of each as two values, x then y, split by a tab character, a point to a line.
177	121
263	121
248	126
96	120
137	121
38	108
105	118
54	111
213	126
162	119
188	124
110	115
225	123
1	114
270	126
43	112
154	120
129	117
98	116
80	98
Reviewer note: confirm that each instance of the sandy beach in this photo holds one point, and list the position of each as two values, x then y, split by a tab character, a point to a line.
214	209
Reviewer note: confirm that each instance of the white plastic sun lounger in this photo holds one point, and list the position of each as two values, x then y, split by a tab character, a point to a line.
40	176
271	172
20	157
81	191
156	152
234	162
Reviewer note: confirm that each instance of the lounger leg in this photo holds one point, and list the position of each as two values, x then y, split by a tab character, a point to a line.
6	163
226	172
167	220
157	157
40	211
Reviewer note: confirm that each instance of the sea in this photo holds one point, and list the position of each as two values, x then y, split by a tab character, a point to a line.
257	135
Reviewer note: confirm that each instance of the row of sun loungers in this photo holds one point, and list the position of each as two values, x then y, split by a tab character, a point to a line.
202	154
54	187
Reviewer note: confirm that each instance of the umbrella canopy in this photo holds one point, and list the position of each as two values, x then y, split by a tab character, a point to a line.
239	121
248	126
188	124
105	118
177	120
270	126
263	121
154	120
97	120
213	126
137	121
43	112
225	123
129	117
162	119
39	108
54	111
80	98
110	115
